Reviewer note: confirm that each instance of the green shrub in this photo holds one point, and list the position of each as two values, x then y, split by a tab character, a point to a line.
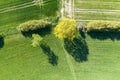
36	40
102	25
66	29
33	25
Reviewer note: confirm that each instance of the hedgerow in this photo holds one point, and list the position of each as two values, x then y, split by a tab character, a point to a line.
102	25
33	25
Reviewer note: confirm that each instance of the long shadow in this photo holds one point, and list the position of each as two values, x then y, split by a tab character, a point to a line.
42	32
77	48
1	42
104	35
52	58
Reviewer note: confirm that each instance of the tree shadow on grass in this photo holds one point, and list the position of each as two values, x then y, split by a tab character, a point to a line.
42	32
52	58
77	48
82	34
1	42
104	35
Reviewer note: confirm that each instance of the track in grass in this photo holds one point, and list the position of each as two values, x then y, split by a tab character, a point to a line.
17	7
87	10
70	64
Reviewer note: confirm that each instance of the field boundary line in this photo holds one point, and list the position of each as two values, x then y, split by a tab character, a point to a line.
78	20
93	1
107	10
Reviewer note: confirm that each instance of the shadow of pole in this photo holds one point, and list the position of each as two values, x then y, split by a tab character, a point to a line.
77	48
52	58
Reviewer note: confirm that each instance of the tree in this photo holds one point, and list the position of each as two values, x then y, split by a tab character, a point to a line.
66	29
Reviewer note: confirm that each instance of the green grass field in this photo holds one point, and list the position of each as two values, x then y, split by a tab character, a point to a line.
97	10
98	4
9	3
20	61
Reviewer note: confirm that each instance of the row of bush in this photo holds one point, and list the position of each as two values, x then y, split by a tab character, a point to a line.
33	25
98	25
102	25
66	28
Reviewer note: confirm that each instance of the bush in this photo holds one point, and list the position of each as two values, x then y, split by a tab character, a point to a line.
102	25
33	25
36	40
66	29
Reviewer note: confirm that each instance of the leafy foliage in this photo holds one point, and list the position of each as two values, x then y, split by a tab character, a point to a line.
33	25
66	29
36	40
102	25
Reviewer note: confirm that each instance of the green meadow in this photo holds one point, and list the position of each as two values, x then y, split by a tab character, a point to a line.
97	10
20	61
